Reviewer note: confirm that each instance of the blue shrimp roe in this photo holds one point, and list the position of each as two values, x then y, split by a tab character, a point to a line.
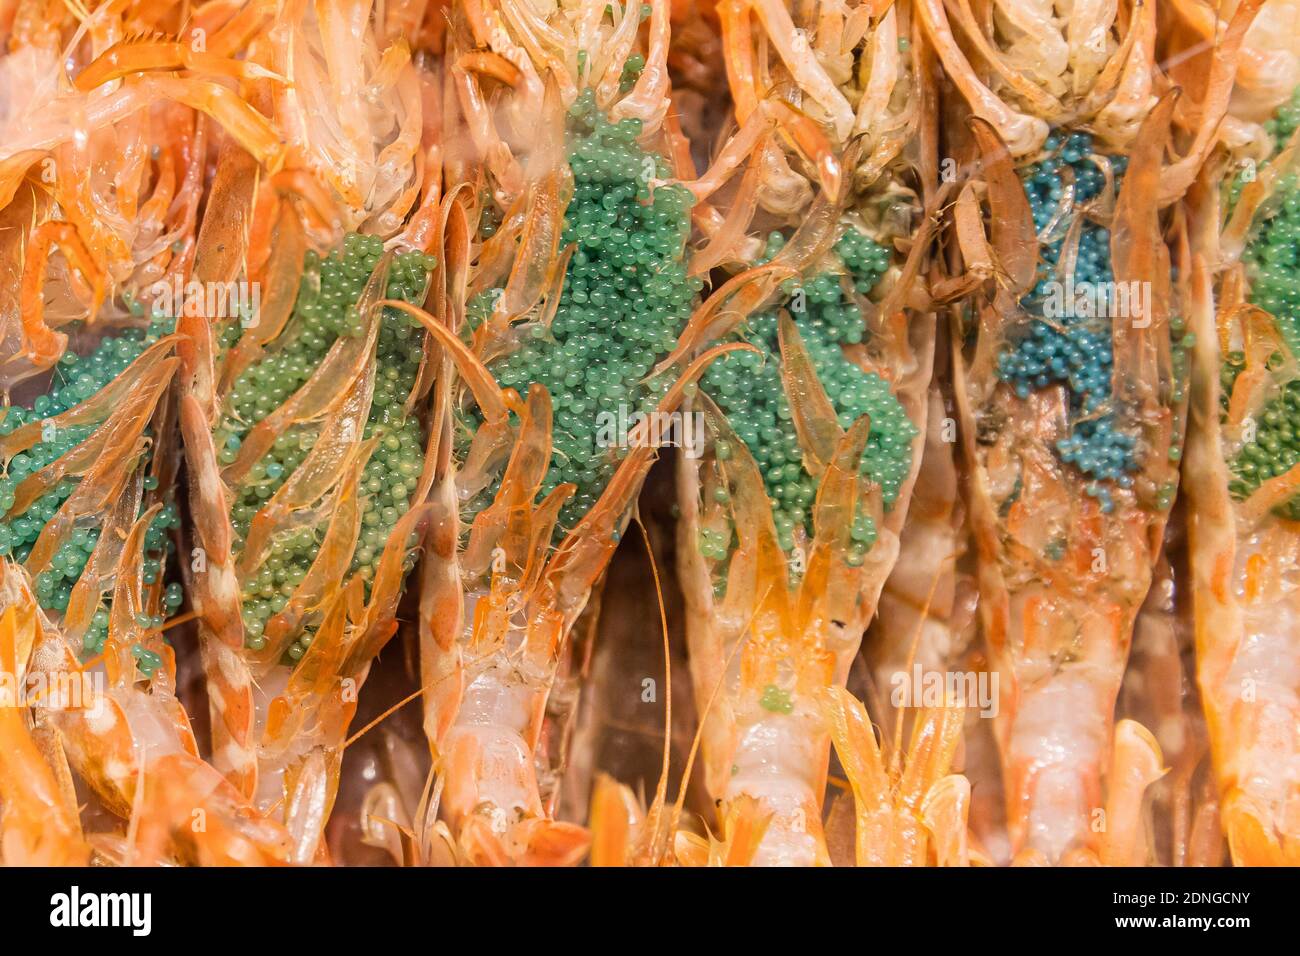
1071	345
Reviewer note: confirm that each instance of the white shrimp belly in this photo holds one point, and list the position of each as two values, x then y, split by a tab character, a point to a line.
1059	738
498	692
270	778
775	762
1263	688
493	724
496	697
501	778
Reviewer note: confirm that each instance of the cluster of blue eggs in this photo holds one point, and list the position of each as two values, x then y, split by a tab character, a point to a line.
1069	339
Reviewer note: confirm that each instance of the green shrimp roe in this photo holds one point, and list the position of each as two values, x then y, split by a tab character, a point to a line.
1273	255
325	310
1273	266
1273	258
146	660
76	378
1275	448
776	700
749	390
625	299
631	72
1285	121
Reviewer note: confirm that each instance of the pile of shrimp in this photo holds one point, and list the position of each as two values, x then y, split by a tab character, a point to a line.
642	433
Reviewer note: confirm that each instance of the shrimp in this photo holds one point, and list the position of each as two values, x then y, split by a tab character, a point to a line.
1241	482
1258	75
488	682
1160	692
122	159
133	745
350	110
925	634
39	823
1071	423
1074	416
778	655
301	576
774	625
303	489
495	618
536	310
90	467
1094	69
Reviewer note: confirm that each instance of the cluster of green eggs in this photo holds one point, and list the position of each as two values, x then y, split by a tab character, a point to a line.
748	388
1274	445
626	297
77	378
1272	259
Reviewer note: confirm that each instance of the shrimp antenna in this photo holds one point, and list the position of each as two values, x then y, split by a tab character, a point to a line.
661	790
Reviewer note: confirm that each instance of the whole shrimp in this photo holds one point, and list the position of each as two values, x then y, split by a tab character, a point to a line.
1073	456
1242	472
306	490
1072	459
87	510
132	743
303	415
927	629
788	528
39	822
579	285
